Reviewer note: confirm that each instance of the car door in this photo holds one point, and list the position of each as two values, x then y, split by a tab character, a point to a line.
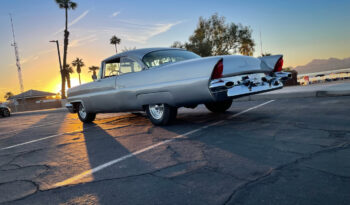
102	95
128	82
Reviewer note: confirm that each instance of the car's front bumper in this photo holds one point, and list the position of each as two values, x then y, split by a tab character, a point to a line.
70	107
242	85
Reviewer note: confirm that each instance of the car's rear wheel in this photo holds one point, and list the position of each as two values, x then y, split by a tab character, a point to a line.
161	114
84	116
6	113
219	107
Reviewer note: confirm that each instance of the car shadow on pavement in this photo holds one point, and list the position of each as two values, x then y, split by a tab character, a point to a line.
20	135
101	148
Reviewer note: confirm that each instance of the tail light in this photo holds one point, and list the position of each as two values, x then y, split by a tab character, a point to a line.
279	65
217	72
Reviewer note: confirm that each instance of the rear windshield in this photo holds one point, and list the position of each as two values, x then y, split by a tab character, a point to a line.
158	58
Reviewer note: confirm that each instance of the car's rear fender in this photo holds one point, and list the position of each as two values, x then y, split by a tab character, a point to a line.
175	84
238	65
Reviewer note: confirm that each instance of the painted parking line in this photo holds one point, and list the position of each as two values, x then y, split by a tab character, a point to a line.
51	136
112	162
44	138
31	127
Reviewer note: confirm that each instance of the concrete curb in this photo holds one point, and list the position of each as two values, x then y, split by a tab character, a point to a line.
286	95
332	93
40	112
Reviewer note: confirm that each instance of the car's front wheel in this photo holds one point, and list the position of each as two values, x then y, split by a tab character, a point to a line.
161	114
84	116
6	113
218	107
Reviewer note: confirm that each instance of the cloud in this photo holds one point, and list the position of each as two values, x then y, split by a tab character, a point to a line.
83	40
76	20
35	57
139	32
115	14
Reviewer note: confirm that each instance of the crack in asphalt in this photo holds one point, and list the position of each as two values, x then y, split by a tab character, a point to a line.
283	166
24	197
326	172
302	125
151	173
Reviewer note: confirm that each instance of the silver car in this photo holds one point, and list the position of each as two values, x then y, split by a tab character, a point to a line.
160	80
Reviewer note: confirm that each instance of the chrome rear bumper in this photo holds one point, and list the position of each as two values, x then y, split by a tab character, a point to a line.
238	86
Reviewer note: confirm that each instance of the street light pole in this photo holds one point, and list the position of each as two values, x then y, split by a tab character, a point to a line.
58	50
63	93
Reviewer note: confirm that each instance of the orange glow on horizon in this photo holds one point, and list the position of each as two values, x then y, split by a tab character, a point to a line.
55	85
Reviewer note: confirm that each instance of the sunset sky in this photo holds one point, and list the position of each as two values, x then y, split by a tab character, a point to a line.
302	30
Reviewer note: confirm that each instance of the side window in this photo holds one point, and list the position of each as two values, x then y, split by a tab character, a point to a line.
111	68
128	65
120	66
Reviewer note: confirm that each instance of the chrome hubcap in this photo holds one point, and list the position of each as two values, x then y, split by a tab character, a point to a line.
82	112
156	111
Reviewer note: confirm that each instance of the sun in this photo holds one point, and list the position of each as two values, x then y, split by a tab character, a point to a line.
74	82
56	84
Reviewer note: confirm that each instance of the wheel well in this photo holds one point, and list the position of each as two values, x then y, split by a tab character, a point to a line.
75	106
144	107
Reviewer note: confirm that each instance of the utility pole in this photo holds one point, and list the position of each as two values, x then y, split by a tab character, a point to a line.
18	64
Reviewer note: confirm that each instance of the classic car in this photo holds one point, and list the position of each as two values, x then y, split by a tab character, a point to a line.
5	111
160	80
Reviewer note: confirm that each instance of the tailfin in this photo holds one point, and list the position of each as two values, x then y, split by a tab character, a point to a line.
269	62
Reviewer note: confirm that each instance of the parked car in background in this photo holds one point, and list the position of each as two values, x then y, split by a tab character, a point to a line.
160	80
5	111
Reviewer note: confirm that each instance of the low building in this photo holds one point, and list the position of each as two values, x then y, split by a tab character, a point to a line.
34	100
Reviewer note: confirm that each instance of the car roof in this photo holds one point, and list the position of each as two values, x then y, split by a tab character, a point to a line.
138	53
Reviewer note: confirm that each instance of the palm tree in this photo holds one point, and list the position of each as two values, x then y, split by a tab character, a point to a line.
93	69
78	62
8	95
114	41
68	70
66	4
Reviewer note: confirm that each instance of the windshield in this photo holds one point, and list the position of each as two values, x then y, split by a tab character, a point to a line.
158	58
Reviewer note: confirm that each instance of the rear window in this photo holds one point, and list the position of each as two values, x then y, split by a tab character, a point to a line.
158	58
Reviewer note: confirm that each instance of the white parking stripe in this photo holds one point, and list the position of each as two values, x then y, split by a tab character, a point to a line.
48	137
44	138
110	163
31	127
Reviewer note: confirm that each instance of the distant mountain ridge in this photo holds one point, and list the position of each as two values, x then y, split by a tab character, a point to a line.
319	65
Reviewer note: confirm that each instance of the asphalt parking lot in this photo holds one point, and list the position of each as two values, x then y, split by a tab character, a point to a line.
287	151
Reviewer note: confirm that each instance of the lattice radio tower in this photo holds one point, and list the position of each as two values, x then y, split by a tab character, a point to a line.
18	64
